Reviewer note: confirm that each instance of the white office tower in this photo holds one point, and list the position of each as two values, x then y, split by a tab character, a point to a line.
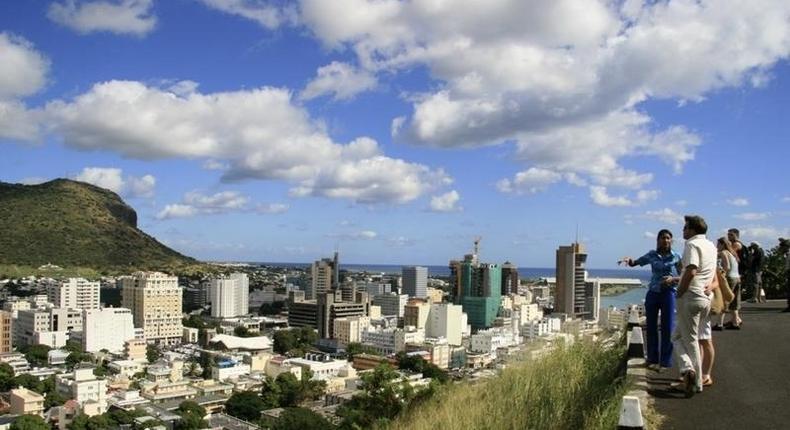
106	328
415	281
230	296
448	321
155	301
74	293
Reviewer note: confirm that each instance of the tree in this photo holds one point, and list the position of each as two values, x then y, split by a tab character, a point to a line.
29	422
152	353
271	393
385	396
246	405
415	363
301	418
290	389
30	382
37	355
356	348
191	416
76	358
294	341
6	377
284	341
53	398
271	308
242	331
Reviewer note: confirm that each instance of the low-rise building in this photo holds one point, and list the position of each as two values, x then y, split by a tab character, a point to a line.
134	349
57	357
25	402
228	369
127	367
191	335
350	329
84	387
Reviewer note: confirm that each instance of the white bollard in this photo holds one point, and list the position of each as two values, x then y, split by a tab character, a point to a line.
636	344
630	414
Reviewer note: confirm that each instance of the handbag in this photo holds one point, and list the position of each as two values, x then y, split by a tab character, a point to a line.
722	296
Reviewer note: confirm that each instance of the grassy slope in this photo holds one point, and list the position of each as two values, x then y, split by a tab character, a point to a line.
579	387
73	224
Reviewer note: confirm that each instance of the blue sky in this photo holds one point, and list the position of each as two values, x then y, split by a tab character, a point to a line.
398	131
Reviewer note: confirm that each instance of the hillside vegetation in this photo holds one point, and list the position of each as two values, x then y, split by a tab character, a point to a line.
74	224
576	387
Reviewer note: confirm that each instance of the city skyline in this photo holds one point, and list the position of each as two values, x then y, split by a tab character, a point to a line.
399	131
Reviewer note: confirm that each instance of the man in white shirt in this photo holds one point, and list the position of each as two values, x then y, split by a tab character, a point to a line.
699	268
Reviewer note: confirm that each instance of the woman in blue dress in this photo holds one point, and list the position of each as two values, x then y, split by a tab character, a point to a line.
660	298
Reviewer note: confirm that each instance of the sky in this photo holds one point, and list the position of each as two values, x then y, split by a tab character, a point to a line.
398	131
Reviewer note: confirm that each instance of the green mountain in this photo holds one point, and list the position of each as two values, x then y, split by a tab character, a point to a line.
70	223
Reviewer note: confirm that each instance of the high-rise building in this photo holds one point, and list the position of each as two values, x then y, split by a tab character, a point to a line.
107	328
6	332
74	293
415	281
509	279
322	313
230	296
570	294
416	313
324	276
392	304
155	301
448	321
477	287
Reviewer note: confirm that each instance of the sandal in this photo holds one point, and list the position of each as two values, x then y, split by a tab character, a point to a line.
707	382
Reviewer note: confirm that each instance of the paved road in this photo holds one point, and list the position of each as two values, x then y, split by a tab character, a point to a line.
751	376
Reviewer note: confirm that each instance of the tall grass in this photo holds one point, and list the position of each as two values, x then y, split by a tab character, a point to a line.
576	387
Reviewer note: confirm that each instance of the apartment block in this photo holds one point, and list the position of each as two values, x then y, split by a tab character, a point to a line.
230	296
107	328
74	293
155	301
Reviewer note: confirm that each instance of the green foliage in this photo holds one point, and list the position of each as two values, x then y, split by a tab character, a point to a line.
29	422
242	332
54	398
121	416
246	405
73	224
152	353
30	382
774	276
98	422
294	341
76	358
385	396
355	348
418	364
36	355
576	387
301	419
6	377
191	416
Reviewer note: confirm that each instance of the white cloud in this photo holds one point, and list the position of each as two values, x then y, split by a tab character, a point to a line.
752	216
113	179
196	203
666	216
259	133
133	17
356	235
266	15
272	208
340	80
23	70
738	201
530	181
763	232
786	199
601	197
447	202
680	203
648	235
563	79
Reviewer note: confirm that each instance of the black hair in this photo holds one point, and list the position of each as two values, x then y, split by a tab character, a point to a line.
662	232
696	223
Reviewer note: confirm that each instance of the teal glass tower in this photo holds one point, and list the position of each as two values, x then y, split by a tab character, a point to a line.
477	287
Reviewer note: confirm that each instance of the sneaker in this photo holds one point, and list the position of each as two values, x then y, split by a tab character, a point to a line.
690	382
717	327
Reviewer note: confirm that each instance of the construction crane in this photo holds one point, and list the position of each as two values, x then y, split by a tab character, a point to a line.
477	245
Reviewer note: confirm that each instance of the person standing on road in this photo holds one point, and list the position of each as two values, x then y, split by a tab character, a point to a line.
730	266
756	272
784	250
660	299
699	268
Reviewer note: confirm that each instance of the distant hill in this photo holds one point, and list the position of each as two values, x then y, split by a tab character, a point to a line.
70	223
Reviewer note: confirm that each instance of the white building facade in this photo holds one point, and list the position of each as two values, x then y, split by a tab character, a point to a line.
107	328
74	293
229	296
448	321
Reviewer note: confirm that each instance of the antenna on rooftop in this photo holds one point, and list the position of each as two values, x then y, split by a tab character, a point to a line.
477	245
577	233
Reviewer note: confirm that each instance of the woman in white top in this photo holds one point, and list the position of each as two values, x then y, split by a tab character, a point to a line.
729	264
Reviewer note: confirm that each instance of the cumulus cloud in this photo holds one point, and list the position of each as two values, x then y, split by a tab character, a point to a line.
529	181
601	197
23	72
763	232
258	133
263	13
648	235
752	216
113	179
340	80
133	17
666	216
197	203
562	79
738	201
447	202
271	208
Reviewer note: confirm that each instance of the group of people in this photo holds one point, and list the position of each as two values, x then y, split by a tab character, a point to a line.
680	293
